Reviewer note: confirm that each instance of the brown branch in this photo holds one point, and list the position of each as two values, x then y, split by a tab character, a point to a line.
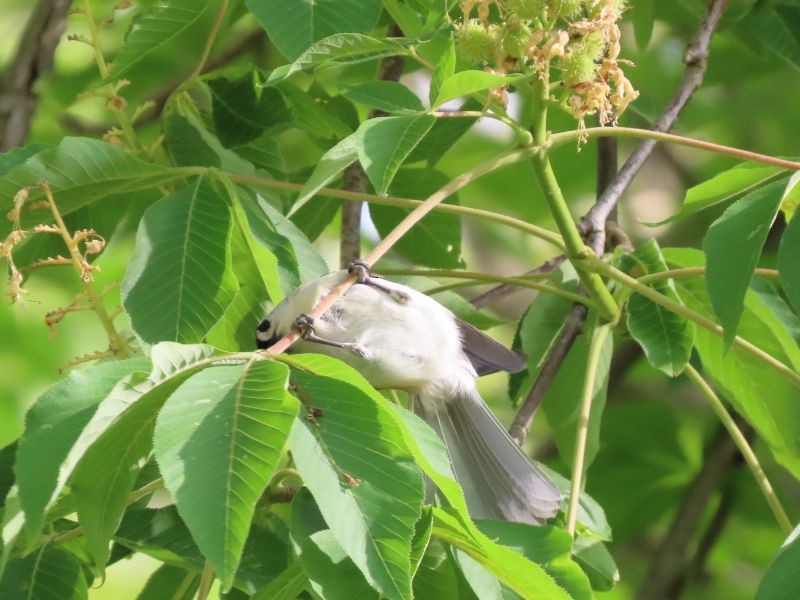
34	58
355	179
671	560
696	60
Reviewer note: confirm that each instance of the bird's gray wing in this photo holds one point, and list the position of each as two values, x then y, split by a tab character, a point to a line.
487	355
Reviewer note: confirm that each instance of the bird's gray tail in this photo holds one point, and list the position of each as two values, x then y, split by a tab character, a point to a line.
498	480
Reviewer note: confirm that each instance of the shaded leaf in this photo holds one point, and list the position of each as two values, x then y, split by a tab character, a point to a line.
217	441
733	246
170	583
597	562
295	26
333	162
665	336
782	579
50	573
179	280
242	112
386	142
789	262
642	15
776	28
388	96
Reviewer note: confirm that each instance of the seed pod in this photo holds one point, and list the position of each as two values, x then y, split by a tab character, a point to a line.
515	40
475	42
579	64
525	9
565	8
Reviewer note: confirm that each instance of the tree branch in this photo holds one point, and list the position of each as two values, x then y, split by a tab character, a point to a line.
34	58
355	179
696	60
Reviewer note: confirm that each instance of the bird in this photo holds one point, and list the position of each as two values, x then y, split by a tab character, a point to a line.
399	338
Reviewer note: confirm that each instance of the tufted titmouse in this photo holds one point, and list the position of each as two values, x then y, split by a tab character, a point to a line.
397	337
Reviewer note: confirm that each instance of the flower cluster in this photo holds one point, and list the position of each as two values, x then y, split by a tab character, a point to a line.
575	41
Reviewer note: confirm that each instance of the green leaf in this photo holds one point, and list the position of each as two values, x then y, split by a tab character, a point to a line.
287	585
265	153
80	171
386	142
242	112
50	573
185	143
767	400
732	246
333	162
179	280
465	83
359	475
388	96
217	441
406	17
106	474
17	156
170	582
591	516
436	240
7	457
164	27
330	572
437	576
665	336
791	198
56	432
597	562
295	26
782	579
642	15
443	135
445	67
723	187
528	579
563	399
789	262
775	27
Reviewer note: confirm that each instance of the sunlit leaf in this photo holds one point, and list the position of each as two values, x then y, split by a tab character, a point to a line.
445	67
179	280
465	83
217	441
386	142
294	27
333	162
789	262
733	246
388	96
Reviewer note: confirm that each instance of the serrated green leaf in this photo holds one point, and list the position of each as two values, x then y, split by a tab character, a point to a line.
294	27
265	153
665	336
179	280
445	67
789	262
728	185
314	114
17	156
79	171
356	495
333	162
388	96
50	573
597	562
437	577
106	473
386	142
185	143
289	584
436	240
782	579
57	431
407	19
7	457
465	83
330	572
172	26
217	441
343	48
767	400
443	136
733	246
171	583
240	113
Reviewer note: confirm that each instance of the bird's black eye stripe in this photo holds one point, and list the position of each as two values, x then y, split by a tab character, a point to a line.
263	326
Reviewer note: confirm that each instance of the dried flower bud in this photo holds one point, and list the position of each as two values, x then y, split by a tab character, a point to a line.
19	200
116	103
95	246
475	42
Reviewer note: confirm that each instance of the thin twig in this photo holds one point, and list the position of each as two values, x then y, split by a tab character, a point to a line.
212	36
696	60
504	289
744	447
33	59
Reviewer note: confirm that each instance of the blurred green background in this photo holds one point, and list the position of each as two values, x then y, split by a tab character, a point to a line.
654	430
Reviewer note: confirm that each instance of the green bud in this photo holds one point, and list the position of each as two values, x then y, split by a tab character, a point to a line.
527	10
566	8
594	7
579	64
524	138
515	40
474	42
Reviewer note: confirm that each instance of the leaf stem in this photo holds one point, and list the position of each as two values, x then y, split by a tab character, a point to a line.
595	351
694	272
210	41
637	286
206	580
604	301
744	447
557	139
517	281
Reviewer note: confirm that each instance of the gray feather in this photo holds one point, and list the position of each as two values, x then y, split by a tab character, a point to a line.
499	481
487	355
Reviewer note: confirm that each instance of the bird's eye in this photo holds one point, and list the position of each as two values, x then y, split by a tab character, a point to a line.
263	326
